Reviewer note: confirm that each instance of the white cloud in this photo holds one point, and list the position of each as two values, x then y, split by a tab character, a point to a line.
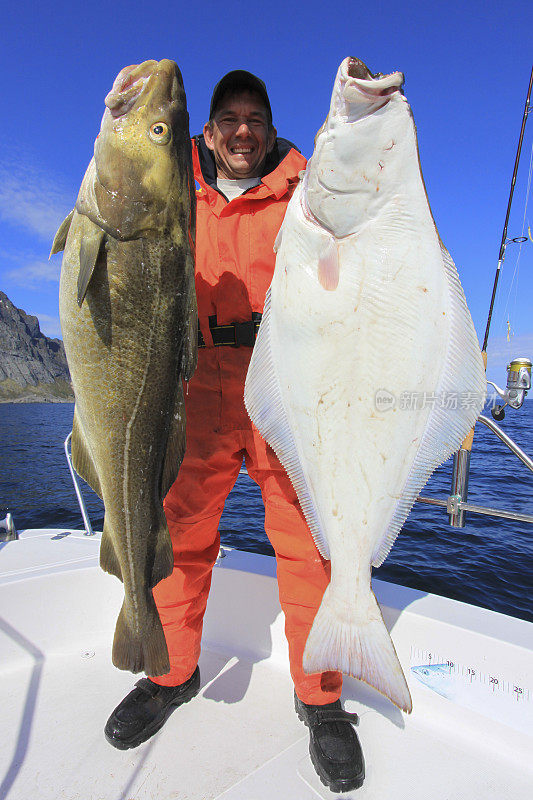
49	325
33	274
31	198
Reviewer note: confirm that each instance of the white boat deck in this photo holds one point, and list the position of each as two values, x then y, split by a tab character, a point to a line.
240	738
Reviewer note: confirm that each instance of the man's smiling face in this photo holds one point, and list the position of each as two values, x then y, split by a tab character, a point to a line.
240	135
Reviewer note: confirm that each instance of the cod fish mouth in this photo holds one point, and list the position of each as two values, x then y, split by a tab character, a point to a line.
357	76
127	87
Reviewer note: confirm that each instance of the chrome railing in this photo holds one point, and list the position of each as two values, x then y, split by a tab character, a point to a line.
86	521
8	531
456	503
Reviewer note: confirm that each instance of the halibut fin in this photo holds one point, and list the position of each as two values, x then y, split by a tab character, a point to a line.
277	240
89	251
360	647
144	651
264	404
446	427
60	239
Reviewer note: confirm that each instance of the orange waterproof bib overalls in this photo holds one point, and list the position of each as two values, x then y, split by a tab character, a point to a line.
234	267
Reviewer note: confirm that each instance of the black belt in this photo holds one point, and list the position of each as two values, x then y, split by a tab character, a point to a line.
238	334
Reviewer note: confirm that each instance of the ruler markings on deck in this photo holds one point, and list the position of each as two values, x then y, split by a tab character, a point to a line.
492	682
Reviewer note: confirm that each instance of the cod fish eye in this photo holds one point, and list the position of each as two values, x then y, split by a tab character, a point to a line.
159	133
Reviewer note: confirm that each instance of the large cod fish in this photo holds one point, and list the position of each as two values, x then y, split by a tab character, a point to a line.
129	322
365	315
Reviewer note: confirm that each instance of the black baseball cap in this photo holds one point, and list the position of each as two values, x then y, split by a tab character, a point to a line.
240	79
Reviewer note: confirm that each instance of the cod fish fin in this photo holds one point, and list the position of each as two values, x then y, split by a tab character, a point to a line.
84	466
108	555
189	355
60	239
81	457
175	444
264	404
463	373
163	555
360	647
89	251
144	650
163	562
328	265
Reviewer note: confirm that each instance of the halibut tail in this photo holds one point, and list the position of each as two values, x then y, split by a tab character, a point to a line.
360	647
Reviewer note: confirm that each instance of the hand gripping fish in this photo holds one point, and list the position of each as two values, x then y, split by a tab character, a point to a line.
129	322
365	305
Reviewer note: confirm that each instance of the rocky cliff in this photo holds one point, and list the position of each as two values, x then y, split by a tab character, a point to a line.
33	368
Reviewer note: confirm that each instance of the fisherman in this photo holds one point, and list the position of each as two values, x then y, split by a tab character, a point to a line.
246	177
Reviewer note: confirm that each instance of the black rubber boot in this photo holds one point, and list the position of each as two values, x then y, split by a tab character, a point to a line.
333	745
145	710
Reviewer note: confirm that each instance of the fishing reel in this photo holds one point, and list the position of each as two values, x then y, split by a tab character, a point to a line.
518	383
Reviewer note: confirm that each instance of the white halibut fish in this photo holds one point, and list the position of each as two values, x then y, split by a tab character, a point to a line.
365	303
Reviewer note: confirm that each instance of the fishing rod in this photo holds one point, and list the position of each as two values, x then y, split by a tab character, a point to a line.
519	372
503	244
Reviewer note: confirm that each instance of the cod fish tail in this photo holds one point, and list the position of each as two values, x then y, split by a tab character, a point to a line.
144	649
360	647
139	643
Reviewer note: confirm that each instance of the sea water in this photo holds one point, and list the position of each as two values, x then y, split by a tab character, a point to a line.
487	563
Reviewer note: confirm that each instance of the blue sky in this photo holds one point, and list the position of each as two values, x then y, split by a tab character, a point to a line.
467	68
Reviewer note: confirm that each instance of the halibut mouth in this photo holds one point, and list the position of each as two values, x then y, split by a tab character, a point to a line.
131	82
357	76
